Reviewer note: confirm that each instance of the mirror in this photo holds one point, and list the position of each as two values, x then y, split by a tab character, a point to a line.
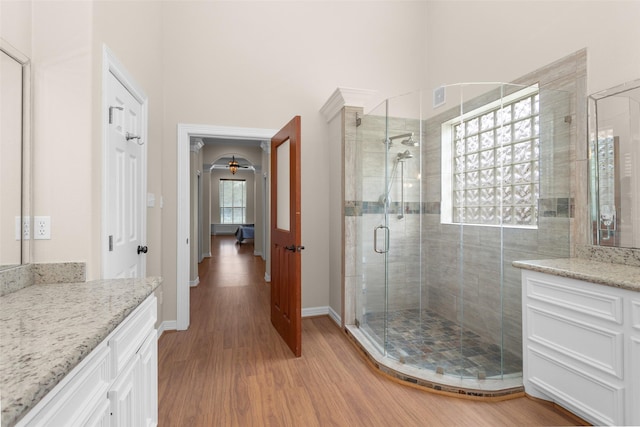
614	166
14	155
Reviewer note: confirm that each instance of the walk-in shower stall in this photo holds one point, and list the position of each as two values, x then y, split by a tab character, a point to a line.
449	197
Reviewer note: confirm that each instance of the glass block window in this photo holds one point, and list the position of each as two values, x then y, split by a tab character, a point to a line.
491	163
233	201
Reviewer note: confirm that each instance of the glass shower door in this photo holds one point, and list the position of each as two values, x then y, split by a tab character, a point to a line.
373	229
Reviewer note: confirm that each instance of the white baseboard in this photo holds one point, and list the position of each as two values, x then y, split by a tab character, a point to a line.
207	255
194	283
322	311
335	317
315	311
167	325
267	277
258	253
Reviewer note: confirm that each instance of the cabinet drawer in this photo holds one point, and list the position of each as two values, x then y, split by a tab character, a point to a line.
596	346
573	296
130	335
75	397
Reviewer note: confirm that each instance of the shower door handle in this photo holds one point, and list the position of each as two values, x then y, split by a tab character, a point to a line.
386	239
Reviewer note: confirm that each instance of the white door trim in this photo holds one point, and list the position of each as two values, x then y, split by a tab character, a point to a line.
110	64
185	133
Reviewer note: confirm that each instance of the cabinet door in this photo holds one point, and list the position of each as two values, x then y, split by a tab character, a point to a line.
148	385
123	397
76	398
101	417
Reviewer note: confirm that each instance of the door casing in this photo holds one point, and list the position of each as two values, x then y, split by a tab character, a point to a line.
185	133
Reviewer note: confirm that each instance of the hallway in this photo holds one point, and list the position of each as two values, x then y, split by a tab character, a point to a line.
232	369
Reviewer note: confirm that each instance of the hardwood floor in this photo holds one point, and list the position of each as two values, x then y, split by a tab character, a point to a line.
232	369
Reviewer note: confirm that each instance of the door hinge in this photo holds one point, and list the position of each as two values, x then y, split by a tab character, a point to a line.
111	243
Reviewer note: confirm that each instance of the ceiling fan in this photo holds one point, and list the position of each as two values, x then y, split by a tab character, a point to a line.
234	166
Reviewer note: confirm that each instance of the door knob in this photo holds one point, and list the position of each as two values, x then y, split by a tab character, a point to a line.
291	248
142	249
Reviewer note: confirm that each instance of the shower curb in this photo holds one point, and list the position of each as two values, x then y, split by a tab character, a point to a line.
432	386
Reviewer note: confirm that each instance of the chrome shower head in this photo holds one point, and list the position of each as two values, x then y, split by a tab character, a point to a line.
404	156
410	142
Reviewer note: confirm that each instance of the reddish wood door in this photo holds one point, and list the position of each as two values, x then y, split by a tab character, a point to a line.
286	302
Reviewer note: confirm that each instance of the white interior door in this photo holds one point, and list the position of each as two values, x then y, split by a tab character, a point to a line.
125	183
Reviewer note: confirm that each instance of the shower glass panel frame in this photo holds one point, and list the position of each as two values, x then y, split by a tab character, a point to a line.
373	229
389	227
442	296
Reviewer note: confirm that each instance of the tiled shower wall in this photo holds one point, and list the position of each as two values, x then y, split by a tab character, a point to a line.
451	270
467	272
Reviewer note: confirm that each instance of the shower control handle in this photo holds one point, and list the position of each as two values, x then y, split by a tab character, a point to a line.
386	239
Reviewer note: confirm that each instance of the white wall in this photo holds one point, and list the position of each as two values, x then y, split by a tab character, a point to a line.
260	63
62	135
504	40
15	24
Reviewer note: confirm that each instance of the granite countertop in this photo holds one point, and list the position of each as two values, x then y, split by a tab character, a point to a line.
604	273
46	330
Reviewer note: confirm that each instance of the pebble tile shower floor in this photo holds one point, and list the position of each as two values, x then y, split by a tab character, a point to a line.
423	339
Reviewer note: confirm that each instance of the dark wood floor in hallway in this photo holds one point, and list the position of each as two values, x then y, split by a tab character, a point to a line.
232	369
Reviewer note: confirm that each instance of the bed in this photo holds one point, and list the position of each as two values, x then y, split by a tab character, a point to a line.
244	232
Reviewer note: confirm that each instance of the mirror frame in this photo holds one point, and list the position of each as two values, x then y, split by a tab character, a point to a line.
25	62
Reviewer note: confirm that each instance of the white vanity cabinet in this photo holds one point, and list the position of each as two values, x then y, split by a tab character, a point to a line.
581	347
133	395
115	385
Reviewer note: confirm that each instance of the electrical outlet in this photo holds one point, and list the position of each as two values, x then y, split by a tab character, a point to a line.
23	230
26	228
42	227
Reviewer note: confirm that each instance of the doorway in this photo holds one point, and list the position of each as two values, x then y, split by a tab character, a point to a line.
185	133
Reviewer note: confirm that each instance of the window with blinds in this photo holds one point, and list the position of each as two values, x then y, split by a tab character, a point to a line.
233	201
